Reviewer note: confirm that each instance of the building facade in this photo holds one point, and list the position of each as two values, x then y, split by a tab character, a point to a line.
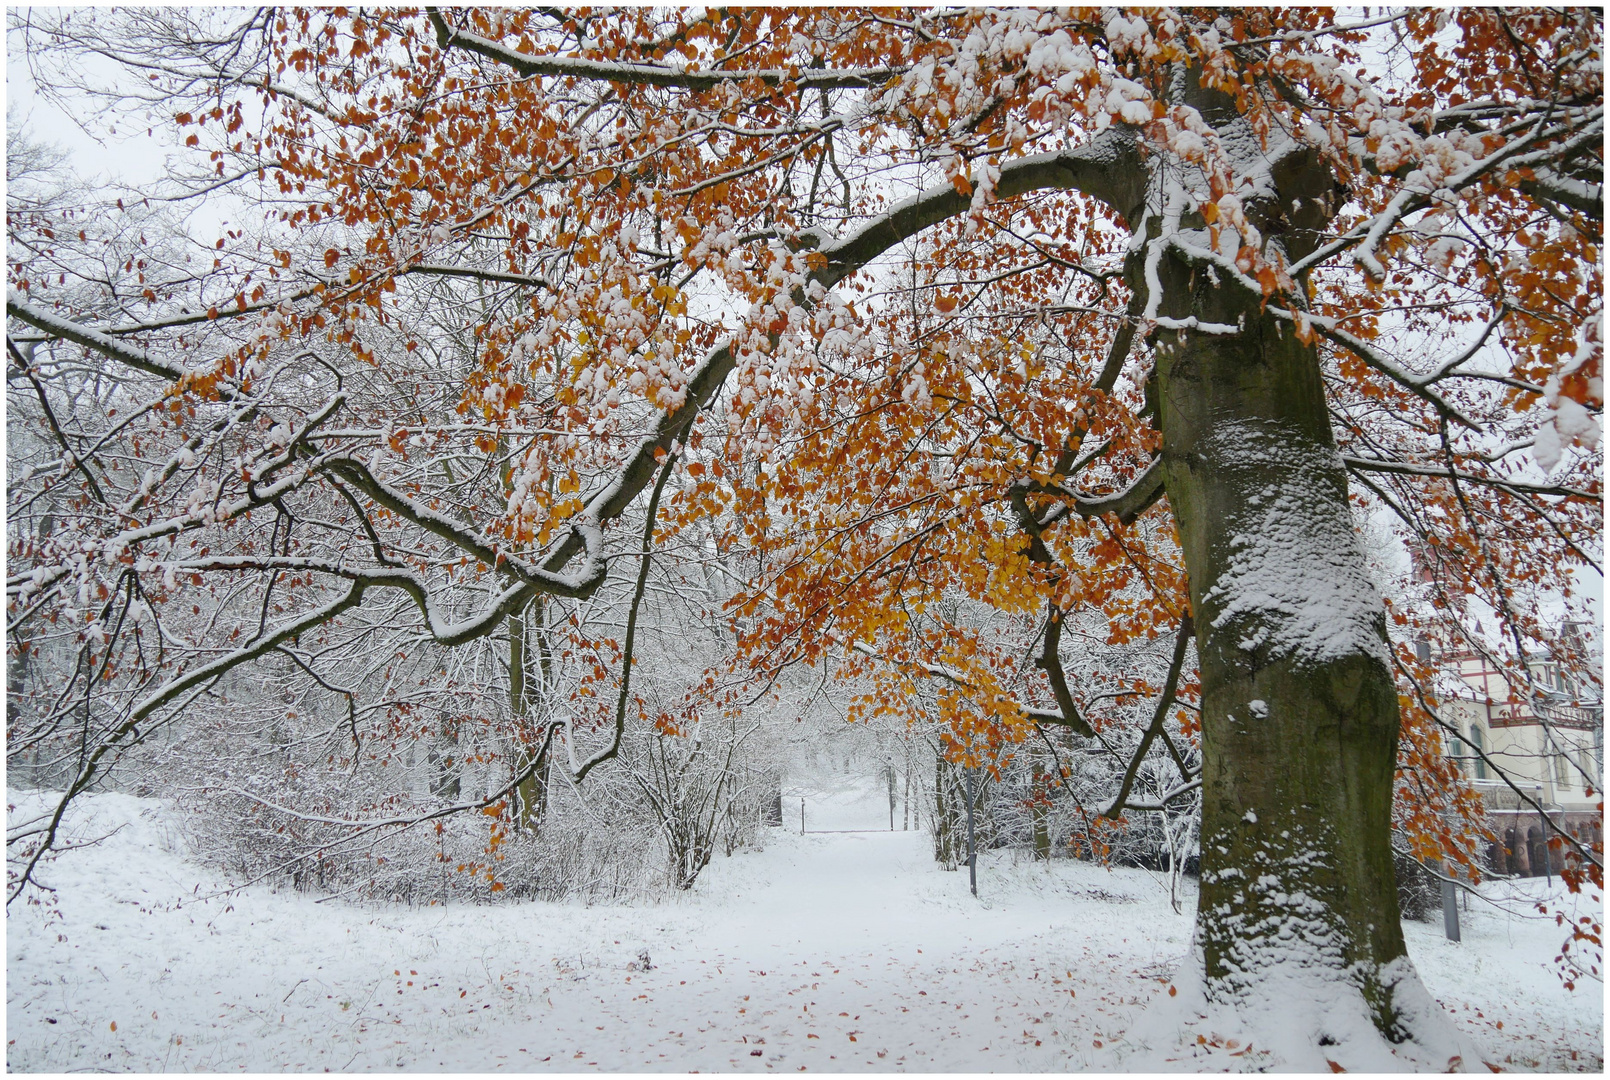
1550	747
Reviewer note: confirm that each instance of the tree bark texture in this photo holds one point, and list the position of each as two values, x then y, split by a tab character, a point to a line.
1299	709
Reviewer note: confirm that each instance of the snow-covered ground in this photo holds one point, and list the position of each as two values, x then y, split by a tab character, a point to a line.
829	951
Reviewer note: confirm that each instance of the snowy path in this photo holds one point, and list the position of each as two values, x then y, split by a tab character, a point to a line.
843	952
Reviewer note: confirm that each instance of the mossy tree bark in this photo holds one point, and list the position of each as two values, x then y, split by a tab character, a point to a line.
1299	709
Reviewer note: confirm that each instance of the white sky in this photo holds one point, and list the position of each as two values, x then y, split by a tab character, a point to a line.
128	156
102	150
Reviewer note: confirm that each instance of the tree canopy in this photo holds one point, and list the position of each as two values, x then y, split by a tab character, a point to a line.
1116	324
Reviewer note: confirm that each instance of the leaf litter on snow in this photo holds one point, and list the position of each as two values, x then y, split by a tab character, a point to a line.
849	952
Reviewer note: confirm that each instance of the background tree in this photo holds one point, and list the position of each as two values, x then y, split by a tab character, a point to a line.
1193	290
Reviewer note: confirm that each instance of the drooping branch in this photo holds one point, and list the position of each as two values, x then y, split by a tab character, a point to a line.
1107	168
1164	700
1050	662
631	624
189	318
90	768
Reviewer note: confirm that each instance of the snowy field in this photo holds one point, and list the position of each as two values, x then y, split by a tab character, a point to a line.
831	951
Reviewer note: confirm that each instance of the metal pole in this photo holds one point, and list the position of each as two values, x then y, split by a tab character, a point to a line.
1543	835
972	848
802	815
891	798
1450	911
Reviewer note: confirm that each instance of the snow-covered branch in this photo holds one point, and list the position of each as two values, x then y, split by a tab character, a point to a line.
449	36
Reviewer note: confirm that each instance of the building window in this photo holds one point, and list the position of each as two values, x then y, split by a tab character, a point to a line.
1475	741
1562	771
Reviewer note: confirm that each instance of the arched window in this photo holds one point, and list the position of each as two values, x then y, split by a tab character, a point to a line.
1536	853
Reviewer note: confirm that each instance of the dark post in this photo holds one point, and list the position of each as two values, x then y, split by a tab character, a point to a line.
1450	911
1543	834
802	815
972	848
891	798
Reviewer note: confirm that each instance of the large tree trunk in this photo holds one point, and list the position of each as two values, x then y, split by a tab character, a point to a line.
1298	937
1299	710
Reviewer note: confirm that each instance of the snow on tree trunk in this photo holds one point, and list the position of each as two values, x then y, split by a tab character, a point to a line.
1297	929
